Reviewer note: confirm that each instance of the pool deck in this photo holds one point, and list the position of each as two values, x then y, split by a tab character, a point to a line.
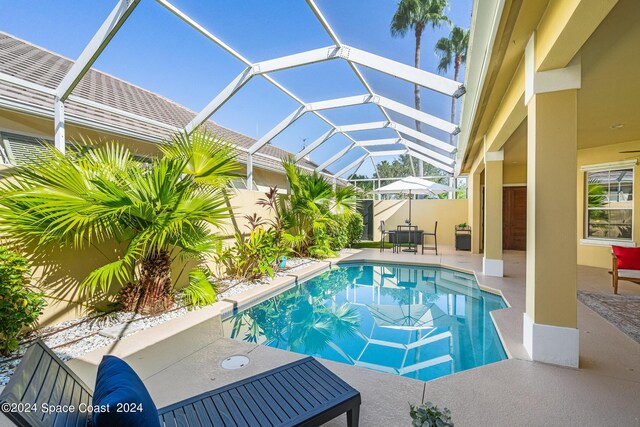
181	358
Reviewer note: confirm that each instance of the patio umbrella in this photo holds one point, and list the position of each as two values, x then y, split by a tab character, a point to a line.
412	185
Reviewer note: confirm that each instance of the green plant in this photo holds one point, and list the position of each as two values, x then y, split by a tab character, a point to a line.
253	257
336	230
416	15
597	194
453	49
428	415
462	225
355	226
201	290
162	211
344	230
308	214
20	306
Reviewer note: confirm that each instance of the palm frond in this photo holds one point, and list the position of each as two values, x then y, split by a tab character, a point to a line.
209	159
200	291
101	192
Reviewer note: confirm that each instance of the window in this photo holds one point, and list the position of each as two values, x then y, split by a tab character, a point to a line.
16	149
609	203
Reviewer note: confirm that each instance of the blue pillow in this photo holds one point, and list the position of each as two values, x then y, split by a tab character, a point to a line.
129	402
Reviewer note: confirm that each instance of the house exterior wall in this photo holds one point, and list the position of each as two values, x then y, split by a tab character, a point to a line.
514	174
589	253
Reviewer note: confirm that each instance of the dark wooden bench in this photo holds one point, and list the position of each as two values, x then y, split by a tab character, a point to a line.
302	393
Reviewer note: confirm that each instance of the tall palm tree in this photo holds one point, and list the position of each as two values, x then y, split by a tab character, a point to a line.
453	50
161	211
417	15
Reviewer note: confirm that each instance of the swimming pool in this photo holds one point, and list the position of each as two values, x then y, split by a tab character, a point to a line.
418	322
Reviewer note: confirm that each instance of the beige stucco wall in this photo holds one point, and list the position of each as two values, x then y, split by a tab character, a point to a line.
589	255
514	174
424	214
600	256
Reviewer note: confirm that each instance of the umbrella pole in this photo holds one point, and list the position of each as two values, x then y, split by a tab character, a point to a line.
410	198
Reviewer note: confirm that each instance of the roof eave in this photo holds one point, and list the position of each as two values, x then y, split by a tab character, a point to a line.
484	28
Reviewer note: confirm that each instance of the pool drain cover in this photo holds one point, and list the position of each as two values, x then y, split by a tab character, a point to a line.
235	362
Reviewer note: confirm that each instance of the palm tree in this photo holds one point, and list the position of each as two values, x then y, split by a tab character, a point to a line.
161	211
416	15
453	49
309	209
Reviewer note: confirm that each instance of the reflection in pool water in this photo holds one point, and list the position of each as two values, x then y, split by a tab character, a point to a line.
418	322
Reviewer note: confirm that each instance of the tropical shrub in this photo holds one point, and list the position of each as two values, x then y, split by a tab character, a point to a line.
308	213
338	233
201	290
253	257
355	226
20	306
163	210
260	252
428	415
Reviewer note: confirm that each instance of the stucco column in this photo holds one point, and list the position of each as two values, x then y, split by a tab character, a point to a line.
550	331
550	321
492	264
474	196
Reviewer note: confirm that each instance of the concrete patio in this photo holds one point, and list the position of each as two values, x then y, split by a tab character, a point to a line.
182	358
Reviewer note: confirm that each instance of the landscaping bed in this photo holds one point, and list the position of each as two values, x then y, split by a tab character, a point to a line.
74	338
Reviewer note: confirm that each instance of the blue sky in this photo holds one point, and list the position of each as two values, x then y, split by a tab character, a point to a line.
157	51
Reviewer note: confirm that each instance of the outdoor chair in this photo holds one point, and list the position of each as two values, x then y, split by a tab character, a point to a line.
383	234
626	265
435	239
302	393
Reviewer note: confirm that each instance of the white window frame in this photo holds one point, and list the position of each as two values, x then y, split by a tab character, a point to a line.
607	167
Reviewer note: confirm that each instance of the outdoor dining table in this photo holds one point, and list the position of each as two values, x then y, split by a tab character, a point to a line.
406	234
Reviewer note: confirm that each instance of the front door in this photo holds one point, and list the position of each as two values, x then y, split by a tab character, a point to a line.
514	218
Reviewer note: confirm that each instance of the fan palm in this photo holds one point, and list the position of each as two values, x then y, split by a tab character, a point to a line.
453	50
162	211
416	15
309	208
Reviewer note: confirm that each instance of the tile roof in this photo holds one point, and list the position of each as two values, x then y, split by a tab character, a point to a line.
36	65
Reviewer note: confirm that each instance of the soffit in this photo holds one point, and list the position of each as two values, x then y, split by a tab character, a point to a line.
520	18
610	92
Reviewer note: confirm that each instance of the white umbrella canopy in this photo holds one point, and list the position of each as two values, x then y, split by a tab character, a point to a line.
413	185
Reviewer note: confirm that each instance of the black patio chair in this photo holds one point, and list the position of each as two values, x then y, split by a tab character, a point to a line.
435	238
383	234
302	393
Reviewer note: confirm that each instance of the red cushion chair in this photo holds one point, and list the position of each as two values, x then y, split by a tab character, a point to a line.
626	265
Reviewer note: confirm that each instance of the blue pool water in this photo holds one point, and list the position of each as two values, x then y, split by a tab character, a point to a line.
418	322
